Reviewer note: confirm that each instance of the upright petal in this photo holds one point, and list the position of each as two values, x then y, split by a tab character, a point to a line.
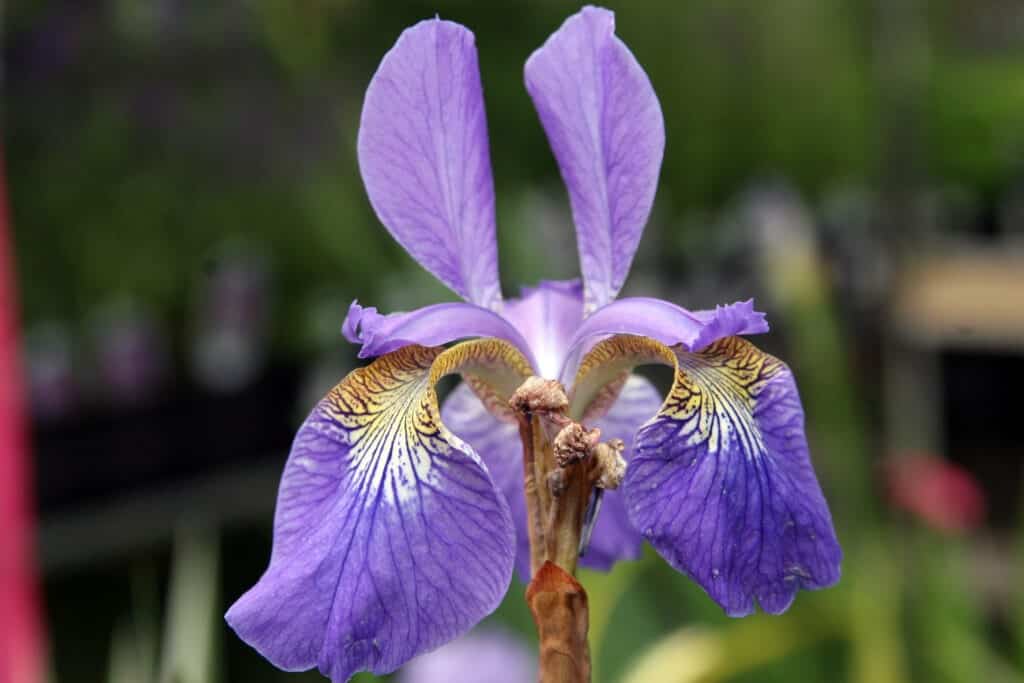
548	316
423	154
606	130
390	538
428	326
721	481
499	446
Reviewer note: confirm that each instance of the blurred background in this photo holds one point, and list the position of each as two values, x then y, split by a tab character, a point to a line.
188	227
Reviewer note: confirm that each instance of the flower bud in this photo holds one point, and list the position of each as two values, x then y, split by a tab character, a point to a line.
609	465
574	443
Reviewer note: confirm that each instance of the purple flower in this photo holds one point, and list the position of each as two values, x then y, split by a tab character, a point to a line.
482	655
398	523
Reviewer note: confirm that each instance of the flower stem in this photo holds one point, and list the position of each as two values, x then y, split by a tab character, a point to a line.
557	492
559	607
534	522
566	513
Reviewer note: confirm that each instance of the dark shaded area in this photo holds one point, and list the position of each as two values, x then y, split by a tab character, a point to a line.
187	433
981	404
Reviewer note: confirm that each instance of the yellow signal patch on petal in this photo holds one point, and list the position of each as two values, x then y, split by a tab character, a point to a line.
720	481
718	380
388	409
719	387
390	537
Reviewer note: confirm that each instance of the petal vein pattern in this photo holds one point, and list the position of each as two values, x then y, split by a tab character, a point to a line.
423	153
390	538
721	481
606	130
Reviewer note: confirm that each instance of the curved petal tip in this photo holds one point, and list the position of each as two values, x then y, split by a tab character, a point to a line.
360	323
728	321
428	326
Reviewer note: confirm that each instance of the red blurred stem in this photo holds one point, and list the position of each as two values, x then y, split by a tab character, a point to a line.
20	622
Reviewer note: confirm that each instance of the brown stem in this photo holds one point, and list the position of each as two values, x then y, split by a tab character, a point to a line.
556	491
534	520
568	510
541	469
559	607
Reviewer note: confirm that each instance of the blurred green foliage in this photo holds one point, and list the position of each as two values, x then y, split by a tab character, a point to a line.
143	138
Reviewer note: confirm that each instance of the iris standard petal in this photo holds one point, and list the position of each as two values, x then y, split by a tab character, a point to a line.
423	153
389	536
547	316
429	326
500	447
721	481
671	324
606	130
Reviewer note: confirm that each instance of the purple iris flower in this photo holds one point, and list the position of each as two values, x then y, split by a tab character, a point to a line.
398	523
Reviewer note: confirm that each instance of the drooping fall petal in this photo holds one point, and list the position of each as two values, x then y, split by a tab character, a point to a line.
423	153
390	538
501	450
606	130
721	481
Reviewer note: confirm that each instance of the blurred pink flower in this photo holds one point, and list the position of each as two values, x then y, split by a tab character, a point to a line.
937	492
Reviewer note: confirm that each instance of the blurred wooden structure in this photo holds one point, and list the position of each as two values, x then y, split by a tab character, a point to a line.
953	356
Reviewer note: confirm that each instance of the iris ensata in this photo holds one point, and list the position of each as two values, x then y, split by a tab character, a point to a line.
399	522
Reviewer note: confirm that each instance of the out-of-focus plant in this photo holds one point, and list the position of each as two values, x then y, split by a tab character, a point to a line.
484	654
189	651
